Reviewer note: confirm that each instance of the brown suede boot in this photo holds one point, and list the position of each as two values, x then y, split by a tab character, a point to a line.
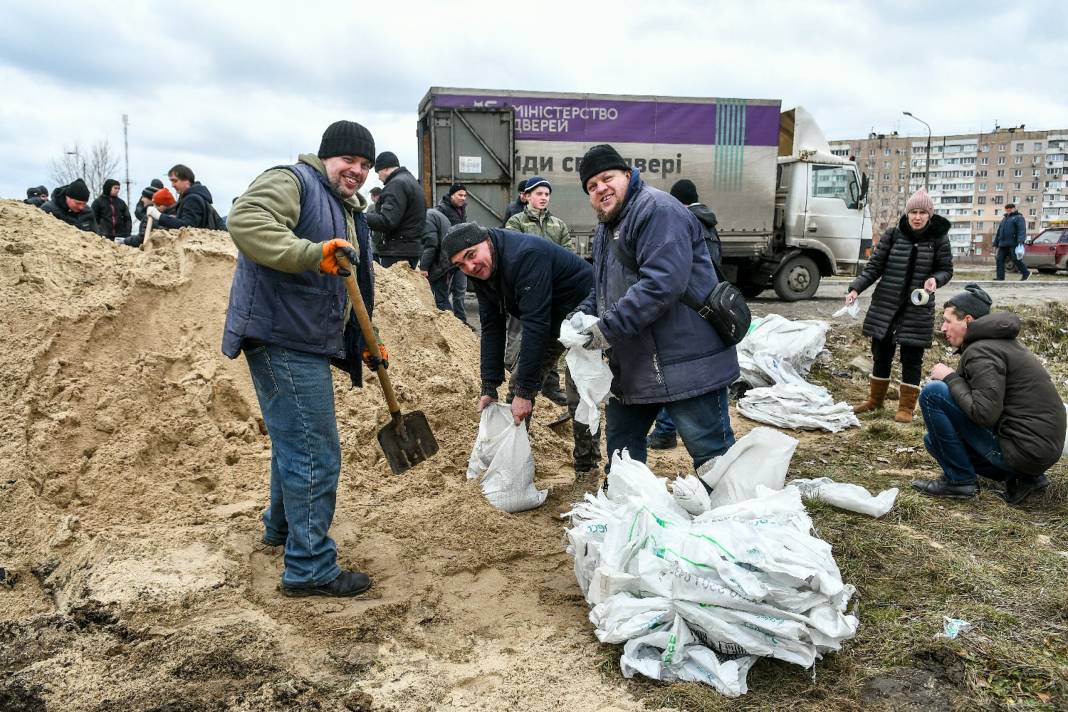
876	395
906	402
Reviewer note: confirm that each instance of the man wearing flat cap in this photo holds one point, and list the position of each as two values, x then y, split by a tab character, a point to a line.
539	283
648	251
998	415
289	315
401	213
70	203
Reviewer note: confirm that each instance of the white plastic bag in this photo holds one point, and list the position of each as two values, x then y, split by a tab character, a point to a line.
503	462
850	310
1019	251
761	457
592	376
847	495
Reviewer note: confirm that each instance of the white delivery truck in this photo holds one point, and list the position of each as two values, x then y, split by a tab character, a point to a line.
789	211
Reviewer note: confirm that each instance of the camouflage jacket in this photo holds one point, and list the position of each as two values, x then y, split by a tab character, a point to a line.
546	225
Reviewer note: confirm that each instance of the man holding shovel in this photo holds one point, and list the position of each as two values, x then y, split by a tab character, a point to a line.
289	314
539	283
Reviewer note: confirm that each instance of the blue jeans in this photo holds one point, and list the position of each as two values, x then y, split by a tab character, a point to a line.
962	448
296	394
452	285
703	423
664	425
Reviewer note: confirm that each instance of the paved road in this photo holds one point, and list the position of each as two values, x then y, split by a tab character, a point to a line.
1036	290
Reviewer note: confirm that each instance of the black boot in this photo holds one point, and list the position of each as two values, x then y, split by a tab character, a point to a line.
551	388
348	583
944	488
662	442
1017	489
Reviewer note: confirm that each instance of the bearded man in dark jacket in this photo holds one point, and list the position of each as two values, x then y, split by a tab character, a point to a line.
70	203
538	283
662	352
998	415
401	213
110	212
913	257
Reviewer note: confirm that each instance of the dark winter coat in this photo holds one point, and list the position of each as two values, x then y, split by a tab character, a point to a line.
539	283
194	210
433	261
1012	231
516	206
401	215
662	350
999	384
454	214
57	206
112	216
891	312
708	221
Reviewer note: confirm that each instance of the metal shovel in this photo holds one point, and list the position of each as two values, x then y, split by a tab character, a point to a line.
407	439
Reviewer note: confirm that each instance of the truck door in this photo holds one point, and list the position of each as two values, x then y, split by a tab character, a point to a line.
834	215
473	146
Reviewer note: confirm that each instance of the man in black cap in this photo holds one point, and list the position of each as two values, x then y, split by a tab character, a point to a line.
70	203
290	316
110	212
142	204
998	415
453	204
401	213
648	252
36	196
520	202
539	283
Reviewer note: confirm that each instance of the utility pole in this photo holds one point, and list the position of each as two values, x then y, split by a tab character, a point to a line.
126	151
927	167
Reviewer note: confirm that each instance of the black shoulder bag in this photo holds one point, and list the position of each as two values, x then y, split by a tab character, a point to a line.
724	308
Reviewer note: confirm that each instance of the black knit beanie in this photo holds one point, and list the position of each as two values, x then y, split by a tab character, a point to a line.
684	191
347	138
387	159
598	159
463	236
973	301
455	187
148	192
78	190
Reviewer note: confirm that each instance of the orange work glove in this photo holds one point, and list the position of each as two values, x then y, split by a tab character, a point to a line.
373	362
331	248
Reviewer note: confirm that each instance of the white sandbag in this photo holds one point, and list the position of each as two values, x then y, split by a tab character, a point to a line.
761	457
790	405
847	495
503	462
592	376
691	494
796	343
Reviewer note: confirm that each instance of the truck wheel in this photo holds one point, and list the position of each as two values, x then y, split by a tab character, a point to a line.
798	279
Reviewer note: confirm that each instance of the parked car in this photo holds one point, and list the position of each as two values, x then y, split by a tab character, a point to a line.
1047	251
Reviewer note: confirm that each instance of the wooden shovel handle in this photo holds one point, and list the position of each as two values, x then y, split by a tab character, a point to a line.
368	333
148	232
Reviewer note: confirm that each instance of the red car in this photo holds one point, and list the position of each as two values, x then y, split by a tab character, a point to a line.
1048	250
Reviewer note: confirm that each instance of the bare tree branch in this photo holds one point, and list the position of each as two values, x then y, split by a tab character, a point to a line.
94	165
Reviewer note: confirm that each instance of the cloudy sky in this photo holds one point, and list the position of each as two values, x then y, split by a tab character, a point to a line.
232	88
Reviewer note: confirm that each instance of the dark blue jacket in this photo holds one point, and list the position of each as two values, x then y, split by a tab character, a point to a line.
536	281
194	210
303	311
1012	231
662	350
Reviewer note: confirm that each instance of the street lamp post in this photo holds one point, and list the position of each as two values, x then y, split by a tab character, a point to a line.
927	165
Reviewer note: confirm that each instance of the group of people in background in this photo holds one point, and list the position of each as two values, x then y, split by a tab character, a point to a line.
109	216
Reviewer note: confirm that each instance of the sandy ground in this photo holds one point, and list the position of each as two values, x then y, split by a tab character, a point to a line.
134	467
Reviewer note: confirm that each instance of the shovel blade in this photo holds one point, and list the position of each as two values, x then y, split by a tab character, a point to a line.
407	440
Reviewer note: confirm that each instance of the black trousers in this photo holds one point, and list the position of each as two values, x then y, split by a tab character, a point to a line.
882	352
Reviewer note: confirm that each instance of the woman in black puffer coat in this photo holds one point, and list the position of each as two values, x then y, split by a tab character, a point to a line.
914	255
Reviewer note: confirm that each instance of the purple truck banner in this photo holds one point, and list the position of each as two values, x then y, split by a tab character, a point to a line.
729	122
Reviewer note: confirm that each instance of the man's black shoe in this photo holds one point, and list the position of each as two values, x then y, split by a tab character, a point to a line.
1018	489
348	583
662	442
1025	277
554	394
944	488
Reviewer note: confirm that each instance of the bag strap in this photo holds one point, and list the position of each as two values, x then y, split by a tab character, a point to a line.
632	264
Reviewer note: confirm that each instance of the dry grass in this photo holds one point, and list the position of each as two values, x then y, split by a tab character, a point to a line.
1002	568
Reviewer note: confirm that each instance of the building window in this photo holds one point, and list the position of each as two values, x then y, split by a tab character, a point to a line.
1031	225
1019	147
1034	185
1038	145
1001	160
1001	173
981	200
886	151
1032	212
1002	147
985	148
1017	159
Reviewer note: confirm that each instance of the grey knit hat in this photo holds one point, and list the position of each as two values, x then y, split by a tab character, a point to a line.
973	301
463	236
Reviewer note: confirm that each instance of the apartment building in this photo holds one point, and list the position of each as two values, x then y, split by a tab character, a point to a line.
970	179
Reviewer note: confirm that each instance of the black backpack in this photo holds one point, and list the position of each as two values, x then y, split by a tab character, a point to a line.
724	308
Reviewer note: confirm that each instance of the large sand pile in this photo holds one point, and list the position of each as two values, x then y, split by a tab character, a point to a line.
133	469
